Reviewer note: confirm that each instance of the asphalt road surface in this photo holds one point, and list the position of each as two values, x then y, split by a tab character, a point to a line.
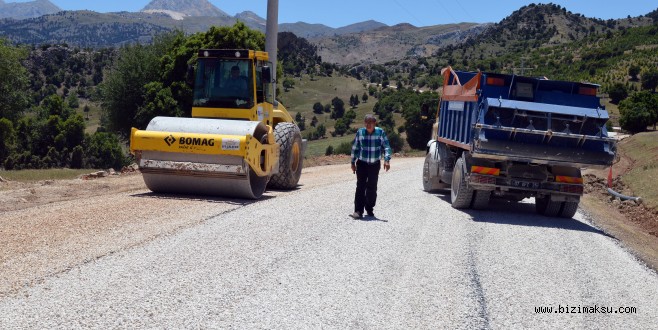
297	260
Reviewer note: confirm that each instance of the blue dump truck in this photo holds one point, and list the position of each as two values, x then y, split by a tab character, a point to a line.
515	137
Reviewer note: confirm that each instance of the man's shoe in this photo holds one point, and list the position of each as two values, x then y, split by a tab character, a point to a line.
356	215
370	213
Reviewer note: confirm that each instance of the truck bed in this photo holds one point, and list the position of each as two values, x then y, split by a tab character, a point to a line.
546	122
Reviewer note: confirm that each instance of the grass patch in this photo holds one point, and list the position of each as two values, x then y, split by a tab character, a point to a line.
319	147
48	174
642	148
92	118
613	111
308	91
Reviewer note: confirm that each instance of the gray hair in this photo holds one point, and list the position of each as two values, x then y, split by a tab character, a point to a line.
370	117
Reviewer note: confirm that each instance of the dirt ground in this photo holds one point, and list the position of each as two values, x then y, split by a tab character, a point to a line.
632	224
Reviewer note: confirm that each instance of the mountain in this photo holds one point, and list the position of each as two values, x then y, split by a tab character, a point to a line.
360	27
86	28
22	10
306	30
186	7
653	15
530	27
390	43
115	29
251	19
533	27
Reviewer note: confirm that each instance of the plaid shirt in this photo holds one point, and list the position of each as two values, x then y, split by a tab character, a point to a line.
368	147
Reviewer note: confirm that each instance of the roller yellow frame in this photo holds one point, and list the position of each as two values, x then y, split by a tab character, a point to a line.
246	146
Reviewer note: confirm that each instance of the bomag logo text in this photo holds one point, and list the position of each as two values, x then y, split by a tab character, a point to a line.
186	141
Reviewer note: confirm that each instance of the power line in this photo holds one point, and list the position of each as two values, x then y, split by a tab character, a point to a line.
462	7
410	14
454	20
522	68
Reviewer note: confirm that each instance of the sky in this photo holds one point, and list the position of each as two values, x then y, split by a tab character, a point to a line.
338	13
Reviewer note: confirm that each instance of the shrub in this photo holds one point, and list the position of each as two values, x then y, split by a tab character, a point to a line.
10	163
617	92
396	141
638	111
105	151
77	157
344	148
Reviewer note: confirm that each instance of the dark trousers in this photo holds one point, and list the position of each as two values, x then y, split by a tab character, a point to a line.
366	186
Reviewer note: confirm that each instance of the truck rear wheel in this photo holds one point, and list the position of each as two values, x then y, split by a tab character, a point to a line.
569	209
481	199
289	138
461	194
429	183
544	205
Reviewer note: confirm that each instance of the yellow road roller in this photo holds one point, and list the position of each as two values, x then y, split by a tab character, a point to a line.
239	141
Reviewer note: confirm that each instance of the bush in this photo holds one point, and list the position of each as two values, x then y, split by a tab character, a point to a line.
318	108
329	151
340	128
77	157
105	151
617	92
10	163
7	137
638	111
396	141
344	148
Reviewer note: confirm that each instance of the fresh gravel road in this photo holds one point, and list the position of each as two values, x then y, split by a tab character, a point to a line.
296	260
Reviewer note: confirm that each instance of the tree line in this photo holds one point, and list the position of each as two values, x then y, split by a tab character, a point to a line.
42	128
39	127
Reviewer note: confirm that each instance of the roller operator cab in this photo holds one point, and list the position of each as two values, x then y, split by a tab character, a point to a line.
515	137
239	141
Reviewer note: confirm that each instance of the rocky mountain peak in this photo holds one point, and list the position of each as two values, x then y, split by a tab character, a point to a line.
187	7
31	9
251	17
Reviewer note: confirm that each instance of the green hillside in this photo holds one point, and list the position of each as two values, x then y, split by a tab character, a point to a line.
642	149
309	90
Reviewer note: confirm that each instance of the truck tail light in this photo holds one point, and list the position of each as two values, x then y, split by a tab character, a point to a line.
591	91
568	179
494	81
485	170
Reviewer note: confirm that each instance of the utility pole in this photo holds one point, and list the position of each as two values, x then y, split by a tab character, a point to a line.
523	68
271	35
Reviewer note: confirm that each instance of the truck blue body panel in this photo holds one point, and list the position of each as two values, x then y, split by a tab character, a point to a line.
548	108
527	119
459	118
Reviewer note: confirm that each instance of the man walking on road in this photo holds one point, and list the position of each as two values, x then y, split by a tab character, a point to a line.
369	144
